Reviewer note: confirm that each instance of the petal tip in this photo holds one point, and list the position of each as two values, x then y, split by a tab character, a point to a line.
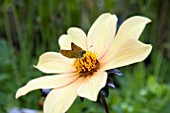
144	19
16	96
72	28
34	66
150	47
18	93
37	67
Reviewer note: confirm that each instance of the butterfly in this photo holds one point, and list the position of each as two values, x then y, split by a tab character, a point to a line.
75	52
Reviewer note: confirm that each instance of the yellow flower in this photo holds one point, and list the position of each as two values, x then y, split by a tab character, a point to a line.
86	76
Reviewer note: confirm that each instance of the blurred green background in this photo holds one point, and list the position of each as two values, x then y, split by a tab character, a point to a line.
29	28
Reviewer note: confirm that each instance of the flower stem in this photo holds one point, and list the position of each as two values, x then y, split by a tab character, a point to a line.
105	104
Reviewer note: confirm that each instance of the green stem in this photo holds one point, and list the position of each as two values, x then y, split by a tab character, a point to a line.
105	104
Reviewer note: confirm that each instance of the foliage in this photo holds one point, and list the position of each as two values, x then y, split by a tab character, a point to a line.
30	28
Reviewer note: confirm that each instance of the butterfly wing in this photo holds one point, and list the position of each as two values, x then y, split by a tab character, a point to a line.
76	52
74	47
70	53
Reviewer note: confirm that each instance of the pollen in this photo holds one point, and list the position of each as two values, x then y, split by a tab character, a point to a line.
87	64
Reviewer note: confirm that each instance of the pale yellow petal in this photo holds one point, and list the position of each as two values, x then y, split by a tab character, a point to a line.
92	85
78	37
52	81
75	35
130	52
53	62
59	100
64	42
130	29
102	33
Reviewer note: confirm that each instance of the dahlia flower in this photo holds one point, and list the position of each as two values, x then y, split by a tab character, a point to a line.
106	48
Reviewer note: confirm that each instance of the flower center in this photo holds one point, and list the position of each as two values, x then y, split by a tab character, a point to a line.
87	64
